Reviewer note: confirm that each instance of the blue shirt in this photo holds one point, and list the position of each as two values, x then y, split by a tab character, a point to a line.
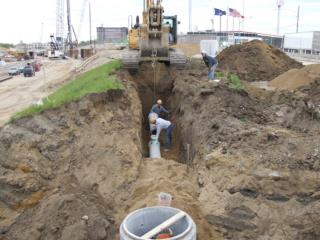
210	61
158	110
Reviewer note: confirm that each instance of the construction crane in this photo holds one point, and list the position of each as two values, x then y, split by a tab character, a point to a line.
153	39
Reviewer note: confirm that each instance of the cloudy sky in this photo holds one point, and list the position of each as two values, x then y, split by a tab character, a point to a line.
23	20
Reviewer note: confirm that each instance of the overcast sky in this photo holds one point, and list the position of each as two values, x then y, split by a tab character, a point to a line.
22	19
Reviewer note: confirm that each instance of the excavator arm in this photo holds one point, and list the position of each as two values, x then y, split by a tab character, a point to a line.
152	39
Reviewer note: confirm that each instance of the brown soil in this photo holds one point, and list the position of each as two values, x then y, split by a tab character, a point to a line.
252	172
189	49
296	78
255	61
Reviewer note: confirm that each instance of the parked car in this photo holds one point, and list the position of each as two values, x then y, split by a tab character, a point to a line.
21	69
37	67
28	71
13	71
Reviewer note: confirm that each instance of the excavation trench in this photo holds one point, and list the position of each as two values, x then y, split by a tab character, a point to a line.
151	87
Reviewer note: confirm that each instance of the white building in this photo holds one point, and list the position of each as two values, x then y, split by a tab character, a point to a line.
303	42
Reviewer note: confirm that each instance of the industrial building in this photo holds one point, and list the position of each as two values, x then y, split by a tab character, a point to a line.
32	47
111	34
228	38
302	42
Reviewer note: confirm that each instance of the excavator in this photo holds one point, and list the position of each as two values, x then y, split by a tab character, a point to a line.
153	40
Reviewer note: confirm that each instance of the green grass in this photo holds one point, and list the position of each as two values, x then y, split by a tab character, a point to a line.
6	45
94	81
234	81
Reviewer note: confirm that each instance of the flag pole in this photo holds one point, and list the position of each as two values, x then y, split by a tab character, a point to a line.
220	22
227	18
233	23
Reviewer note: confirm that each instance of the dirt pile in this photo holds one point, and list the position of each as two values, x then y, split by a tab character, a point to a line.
64	172
189	49
257	166
255	61
296	78
252	171
311	97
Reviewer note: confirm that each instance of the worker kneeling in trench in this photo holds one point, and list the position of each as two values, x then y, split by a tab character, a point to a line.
162	124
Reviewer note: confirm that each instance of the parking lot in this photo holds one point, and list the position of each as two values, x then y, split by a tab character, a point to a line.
19	92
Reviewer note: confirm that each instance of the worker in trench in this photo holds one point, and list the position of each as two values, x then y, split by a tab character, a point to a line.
211	62
161	124
156	111
159	109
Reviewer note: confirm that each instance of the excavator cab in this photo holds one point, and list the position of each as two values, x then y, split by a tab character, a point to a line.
152	39
172	21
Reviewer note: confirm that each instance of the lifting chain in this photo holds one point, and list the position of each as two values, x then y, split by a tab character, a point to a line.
154	67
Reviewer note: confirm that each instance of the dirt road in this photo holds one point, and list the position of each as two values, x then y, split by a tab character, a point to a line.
20	92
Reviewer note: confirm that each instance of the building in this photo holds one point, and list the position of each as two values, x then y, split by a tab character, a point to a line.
228	38
302	42
112	34
32	47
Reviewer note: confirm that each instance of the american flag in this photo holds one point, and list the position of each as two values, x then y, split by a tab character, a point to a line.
234	13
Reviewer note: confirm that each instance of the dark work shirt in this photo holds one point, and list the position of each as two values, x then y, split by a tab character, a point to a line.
209	61
158	110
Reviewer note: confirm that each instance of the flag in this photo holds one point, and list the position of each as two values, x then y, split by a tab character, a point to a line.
234	13
280	3
219	12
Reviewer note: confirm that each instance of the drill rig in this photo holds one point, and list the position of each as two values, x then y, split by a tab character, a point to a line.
152	40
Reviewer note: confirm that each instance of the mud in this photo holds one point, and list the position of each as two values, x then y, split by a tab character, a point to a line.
251	172
255	61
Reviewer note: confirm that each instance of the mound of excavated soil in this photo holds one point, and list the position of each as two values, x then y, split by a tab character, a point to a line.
253	163
257	164
64	172
296	78
189	49
255	61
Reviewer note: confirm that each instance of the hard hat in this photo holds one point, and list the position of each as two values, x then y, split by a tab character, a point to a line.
159	102
152	119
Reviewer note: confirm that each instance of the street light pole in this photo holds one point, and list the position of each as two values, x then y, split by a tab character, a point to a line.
190	15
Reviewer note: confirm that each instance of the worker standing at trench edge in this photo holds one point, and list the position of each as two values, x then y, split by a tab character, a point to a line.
211	63
163	124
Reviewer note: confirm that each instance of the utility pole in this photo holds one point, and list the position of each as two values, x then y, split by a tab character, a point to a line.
69	28
279	5
41	33
298	18
243	4
190	15
90	24
212	24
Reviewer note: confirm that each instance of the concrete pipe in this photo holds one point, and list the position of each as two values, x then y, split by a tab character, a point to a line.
142	221
154	147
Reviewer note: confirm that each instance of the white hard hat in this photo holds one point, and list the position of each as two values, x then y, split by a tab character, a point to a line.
152	119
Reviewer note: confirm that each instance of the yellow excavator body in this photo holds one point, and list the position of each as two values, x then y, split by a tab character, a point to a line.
152	39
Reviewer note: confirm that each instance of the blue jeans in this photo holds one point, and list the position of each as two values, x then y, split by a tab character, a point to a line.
211	72
168	136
